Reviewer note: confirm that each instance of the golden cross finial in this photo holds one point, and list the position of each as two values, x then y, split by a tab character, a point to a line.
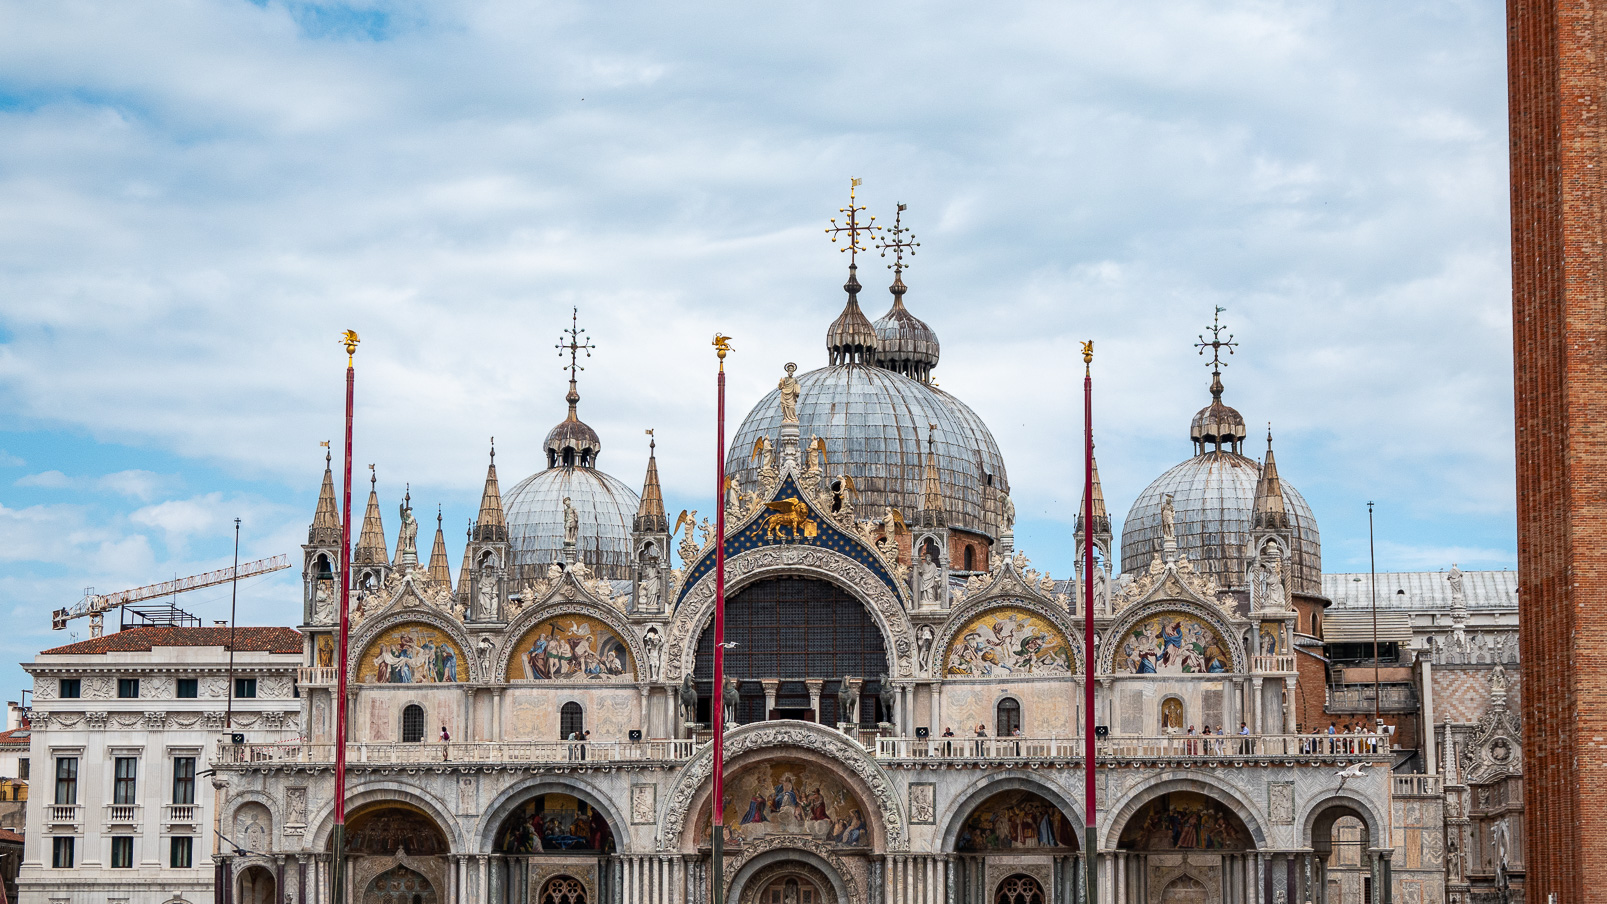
578	342
898	245
853	227
1217	343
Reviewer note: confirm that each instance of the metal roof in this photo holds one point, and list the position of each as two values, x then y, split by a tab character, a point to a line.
1424	590
605	506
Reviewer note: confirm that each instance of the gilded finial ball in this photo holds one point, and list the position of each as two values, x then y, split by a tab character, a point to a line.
350	340
1088	352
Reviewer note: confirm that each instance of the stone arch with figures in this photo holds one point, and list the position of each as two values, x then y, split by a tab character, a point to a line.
792	876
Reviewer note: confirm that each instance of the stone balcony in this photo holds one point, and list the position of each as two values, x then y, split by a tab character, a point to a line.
508	752
971	752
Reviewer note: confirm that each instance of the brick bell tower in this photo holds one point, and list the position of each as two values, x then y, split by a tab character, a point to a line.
1556	81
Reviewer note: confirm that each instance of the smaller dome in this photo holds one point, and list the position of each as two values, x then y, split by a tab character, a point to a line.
573	442
604	505
851	339
1218	424
904	343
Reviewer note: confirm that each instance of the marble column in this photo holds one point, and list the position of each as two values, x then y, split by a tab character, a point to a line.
935	709
1256	704
906	711
814	685
1289	706
1121	878
771	686
301	878
496	715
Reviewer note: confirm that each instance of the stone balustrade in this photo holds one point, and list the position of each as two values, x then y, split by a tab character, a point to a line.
454	752
1223	748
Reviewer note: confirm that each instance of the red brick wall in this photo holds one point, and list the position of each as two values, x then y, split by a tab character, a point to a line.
1555	85
1311	691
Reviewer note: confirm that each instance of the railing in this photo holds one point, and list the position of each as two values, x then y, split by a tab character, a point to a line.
505	752
1168	747
179	814
318	676
63	813
122	814
1358	698
1274	663
1418	785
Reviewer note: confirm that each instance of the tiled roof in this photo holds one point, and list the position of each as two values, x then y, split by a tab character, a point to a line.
1427	590
141	640
8	836
15	737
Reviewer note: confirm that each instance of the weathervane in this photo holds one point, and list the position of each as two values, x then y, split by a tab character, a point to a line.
853	228
1217	343
898	245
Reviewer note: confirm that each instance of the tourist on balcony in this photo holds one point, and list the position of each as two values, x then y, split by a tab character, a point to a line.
948	746
446	738
1221	745
1190	746
1244	739
981	732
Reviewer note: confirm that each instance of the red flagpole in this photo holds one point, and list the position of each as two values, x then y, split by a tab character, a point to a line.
722	344
338	873
1090	858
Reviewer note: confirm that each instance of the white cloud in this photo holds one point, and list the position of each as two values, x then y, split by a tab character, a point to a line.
47	480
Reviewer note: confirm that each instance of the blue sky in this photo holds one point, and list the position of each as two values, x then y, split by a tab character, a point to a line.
196	197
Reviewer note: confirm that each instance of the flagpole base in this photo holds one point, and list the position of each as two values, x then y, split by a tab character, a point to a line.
1091	864
337	872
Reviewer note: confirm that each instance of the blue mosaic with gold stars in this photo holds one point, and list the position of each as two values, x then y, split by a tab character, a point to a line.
827	536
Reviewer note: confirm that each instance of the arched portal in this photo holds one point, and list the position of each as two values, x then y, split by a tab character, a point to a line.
256	885
398	854
999	834
555	824
1186	847
1342	858
792	629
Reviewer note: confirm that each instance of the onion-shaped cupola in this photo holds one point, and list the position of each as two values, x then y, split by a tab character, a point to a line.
851	339
904	343
1218	424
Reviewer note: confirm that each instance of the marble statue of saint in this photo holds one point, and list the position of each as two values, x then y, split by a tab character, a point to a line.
923	638
486	647
1455	577
407	541
488	593
1168	519
571	523
654	643
323	604
789	390
1007	510
647	593
932	584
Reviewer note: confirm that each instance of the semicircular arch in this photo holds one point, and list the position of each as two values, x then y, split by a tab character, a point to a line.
961	806
696	610
514	796
1199	782
750	744
534	618
1226	633
1026	611
381	628
750	864
1339	803
368	793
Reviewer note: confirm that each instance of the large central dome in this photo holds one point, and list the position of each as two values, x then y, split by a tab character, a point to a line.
875	422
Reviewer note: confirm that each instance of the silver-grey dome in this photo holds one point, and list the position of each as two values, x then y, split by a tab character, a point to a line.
875	422
904	342
605	506
1212	496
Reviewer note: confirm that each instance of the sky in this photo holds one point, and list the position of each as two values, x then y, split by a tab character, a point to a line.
197	197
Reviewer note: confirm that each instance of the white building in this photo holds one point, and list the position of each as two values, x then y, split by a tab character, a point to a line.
123	728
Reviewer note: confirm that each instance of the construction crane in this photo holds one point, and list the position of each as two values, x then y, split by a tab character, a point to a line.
95	605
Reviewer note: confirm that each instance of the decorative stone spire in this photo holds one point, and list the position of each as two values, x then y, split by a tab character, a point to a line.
492	525
1269	511
1101	516
440	571
650	514
371	542
325	529
464	571
851	339
932	511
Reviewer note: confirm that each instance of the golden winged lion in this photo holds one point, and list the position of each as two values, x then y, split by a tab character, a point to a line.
791	515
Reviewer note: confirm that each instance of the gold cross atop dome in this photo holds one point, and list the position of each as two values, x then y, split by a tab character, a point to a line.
1217	343
897	244
578	342
853	227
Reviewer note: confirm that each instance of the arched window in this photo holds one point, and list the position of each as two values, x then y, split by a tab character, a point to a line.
1007	718
412	724
321	569
970	559
571	720
1019	889
562	890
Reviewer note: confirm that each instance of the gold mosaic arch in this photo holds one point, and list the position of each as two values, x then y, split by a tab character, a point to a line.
1172	642
413	652
570	646
1008	641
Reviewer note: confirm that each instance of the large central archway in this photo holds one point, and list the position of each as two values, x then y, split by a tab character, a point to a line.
1182	847
789	629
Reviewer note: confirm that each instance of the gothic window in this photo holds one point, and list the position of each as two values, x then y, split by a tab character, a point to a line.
794	629
571	720
1007	719
412	724
1019	889
562	890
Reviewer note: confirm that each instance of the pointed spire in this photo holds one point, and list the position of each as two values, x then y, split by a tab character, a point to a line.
407	506
1101	516
1269	511
492	525
932	511
371	543
650	515
440	571
325	530
465	570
